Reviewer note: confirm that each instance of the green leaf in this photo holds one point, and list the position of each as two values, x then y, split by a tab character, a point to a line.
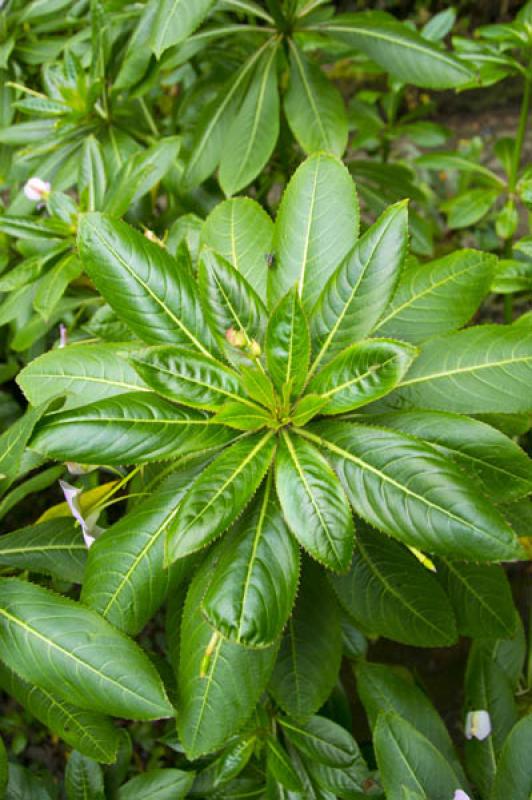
33	228
322	740
314	107
502	468
127	429
391	594
361	287
186	377
454	161
311	649
345	782
83	778
64	648
306	408
175	20
244	416
85	373
219	495
469	207
254	130
288	344
279	765
513	778
219	682
92	734
382	689
253	586
400	50
13	444
487	369
407	758
3	768
23	783
317	225
362	373
54	284
125	579
258	386
55	548
407	489
313	503
148	289
137	56
242	232
160	784
438	297
92	178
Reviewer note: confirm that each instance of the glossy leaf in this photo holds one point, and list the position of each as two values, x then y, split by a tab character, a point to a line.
288	344
313	503
410	491
83	778
254	583
24	783
322	740
279	765
244	416
64	648
513	778
317	225
54	548
13	444
175	20
92	178
219	495
163	784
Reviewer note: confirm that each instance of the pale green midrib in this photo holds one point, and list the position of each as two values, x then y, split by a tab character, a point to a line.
475	594
204	384
310	219
371	370
131	421
214	661
10	551
87	378
308	92
460	370
256	540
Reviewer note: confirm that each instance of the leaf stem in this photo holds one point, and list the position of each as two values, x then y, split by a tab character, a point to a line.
521	130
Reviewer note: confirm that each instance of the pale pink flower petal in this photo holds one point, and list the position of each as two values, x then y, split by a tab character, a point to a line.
88	526
37	189
460	795
478	725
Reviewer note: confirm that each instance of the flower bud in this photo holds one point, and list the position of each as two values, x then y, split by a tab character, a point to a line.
478	725
152	237
37	189
254	349
235	338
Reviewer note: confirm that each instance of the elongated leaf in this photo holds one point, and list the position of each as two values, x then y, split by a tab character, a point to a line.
13	444
3	768
23	783
316	226
279	765
219	494
469	207
33	228
125	579
513	778
479	370
92	178
345	782
219	681
322	740
54	548
175	20
400	50
407	758
148	289
391	594
362	373
159	784
481	598
313	503
92	734
53	285
83	778
244	416
64	648
410	491
438	297
84	372
314	107
288	344
359	290
127	429
242	232
254	130
254	584
311	649
496	461
187	378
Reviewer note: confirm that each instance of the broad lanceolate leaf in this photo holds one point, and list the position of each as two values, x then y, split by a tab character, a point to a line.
481	597
92	179
83	778
148	289
128	429
219	494
175	20
280	766
159	784
55	548
438	297
219	682
254	583
92	734
317	225
84	372
65	648
13	444
314	107
311	649
362	373
407	758
255	128
322	740
513	778
496	461
24	783
400	50
242	232
125	579
314	503
359	290
244	416
288	344
187	378
487	369
410	491
389	593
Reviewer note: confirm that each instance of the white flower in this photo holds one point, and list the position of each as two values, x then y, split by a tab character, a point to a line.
460	795
478	725
37	189
88	526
